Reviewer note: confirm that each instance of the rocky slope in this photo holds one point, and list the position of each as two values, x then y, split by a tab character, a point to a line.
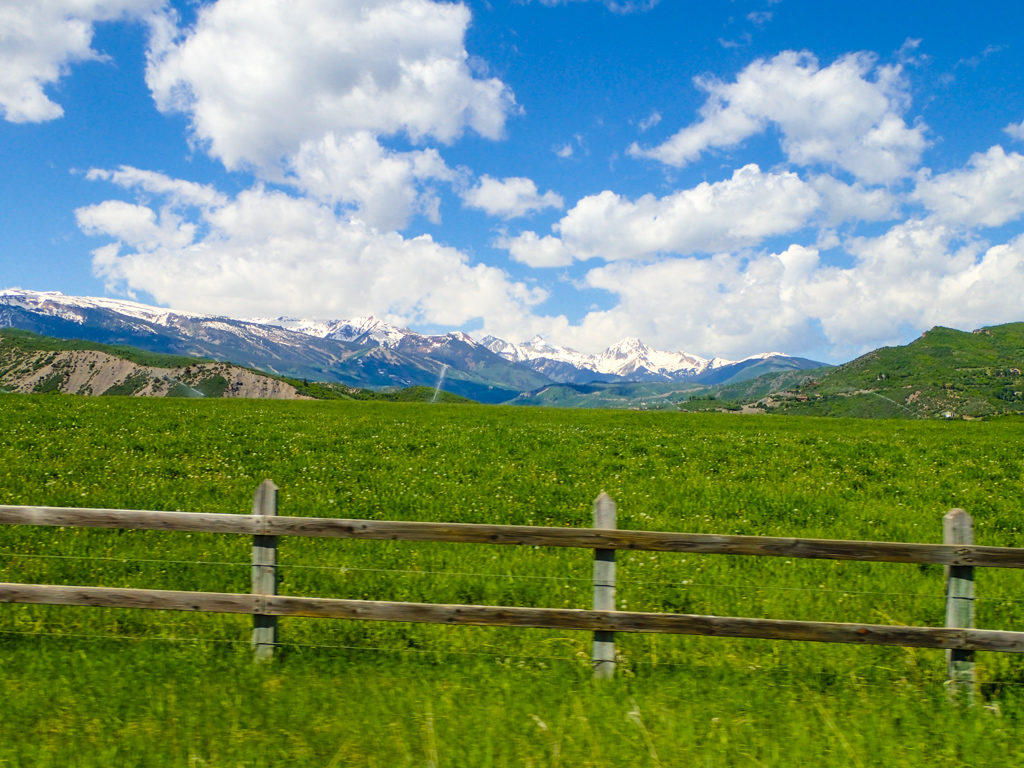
95	372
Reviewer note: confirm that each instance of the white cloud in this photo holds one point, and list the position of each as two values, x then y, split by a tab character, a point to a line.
135	225
650	121
265	252
911	276
178	191
734	213
534	251
302	93
1015	130
723	305
915	275
510	197
892	282
922	271
989	192
847	114
853	202
259	78
39	40
386	187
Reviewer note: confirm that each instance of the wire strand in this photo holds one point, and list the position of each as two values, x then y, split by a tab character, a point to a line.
140	638
342	569
379	649
150	561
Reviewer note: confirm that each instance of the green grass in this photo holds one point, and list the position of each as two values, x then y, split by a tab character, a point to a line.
944	371
353	693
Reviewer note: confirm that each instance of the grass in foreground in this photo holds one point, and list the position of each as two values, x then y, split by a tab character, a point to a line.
351	693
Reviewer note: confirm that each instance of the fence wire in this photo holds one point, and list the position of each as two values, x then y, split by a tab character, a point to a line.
580	659
372	648
343	569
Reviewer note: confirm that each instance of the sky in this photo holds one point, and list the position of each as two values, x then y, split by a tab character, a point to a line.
720	178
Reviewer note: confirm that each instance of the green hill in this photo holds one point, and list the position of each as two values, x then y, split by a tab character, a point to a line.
943	374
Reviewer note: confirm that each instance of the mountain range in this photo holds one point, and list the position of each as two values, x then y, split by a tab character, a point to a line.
369	352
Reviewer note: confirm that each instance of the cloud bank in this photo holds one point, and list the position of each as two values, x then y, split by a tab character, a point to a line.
39	41
265	252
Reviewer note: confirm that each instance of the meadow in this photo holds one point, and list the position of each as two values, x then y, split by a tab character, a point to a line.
88	686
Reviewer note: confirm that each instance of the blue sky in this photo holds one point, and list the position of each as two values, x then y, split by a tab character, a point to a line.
722	178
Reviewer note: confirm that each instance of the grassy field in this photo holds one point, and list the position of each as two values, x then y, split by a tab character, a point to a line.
84	687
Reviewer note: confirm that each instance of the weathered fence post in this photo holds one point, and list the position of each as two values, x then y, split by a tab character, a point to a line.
604	589
264	573
958	528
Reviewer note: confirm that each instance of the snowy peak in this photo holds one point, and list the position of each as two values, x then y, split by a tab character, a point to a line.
74	308
629	347
629	358
359	330
502	348
536	348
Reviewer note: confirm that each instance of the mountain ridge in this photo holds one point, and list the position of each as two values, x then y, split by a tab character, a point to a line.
360	352
945	373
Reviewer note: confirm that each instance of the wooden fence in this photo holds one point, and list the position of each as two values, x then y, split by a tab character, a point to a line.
959	554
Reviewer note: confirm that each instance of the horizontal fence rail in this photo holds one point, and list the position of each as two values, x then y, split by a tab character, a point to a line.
475	533
508	616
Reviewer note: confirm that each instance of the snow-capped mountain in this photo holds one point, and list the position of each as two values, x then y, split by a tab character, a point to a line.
363	351
629	359
73	308
360	330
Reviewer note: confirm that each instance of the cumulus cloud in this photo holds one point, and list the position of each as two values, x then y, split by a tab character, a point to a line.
853	202
925	270
39	41
259	78
1015	130
384	186
737	212
847	114
303	93
724	305
535	251
265	252
177	191
509	198
916	275
989	192
135	225
733	306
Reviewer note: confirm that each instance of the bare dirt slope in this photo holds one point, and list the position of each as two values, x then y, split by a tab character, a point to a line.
91	372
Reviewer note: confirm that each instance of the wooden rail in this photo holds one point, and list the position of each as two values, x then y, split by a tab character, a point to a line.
958	553
586	538
508	616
